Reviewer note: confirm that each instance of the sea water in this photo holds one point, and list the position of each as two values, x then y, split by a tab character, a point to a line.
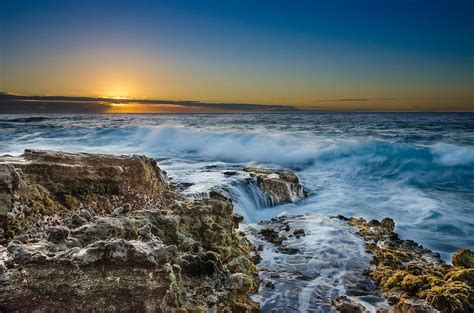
417	168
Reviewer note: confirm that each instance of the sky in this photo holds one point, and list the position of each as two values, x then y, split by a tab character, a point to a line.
203	55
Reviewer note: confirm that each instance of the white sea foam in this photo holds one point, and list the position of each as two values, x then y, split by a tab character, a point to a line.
416	169
452	155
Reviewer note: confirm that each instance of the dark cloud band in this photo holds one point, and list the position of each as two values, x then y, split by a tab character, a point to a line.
61	104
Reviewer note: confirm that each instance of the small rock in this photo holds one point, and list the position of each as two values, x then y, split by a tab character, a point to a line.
77	221
237	218
123	210
270	284
299	232
145	232
57	234
271	236
85	215
230	173
288	250
345	305
126	208
415	306
463	258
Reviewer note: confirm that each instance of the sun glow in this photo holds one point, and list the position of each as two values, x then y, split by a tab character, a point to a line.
121	104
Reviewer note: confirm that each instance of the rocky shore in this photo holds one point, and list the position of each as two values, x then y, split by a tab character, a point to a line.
413	278
107	233
91	232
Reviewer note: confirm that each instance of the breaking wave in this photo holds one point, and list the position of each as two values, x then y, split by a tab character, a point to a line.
417	169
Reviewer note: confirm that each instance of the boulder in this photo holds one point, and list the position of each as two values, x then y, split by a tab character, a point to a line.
280	186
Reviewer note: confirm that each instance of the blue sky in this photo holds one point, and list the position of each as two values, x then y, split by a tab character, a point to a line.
420	53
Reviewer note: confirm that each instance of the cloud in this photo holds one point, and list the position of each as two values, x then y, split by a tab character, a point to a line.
354	99
10	103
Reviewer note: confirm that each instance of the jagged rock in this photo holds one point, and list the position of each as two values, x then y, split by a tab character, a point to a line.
280	186
413	278
155	252
57	234
345	305
271	235
42	184
200	264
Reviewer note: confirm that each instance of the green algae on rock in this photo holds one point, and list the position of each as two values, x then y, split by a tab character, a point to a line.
407	271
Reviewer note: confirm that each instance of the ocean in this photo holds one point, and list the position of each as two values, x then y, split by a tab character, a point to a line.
417	168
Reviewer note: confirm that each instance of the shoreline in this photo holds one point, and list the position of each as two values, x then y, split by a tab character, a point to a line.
80	212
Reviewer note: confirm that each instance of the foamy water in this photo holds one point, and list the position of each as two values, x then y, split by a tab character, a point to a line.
415	168
330	263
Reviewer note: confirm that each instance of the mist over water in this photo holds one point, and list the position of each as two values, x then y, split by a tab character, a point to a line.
417	168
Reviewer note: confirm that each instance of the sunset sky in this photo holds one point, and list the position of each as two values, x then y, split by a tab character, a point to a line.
313	55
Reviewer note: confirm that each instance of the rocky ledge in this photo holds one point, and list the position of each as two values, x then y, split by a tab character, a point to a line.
413	278
279	186
107	233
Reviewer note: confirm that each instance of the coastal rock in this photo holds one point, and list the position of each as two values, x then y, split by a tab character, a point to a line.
463	258
419	279
39	188
107	233
280	186
415	306
345	305
57	234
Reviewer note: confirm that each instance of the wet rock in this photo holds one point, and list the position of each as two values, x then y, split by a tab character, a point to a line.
413	278
345	305
289	250
230	173
271	235
270	284
280	186
299	232
237	219
463	258
181	186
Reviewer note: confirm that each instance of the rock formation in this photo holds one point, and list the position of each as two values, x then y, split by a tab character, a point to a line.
106	233
280	186
412	277
92	232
